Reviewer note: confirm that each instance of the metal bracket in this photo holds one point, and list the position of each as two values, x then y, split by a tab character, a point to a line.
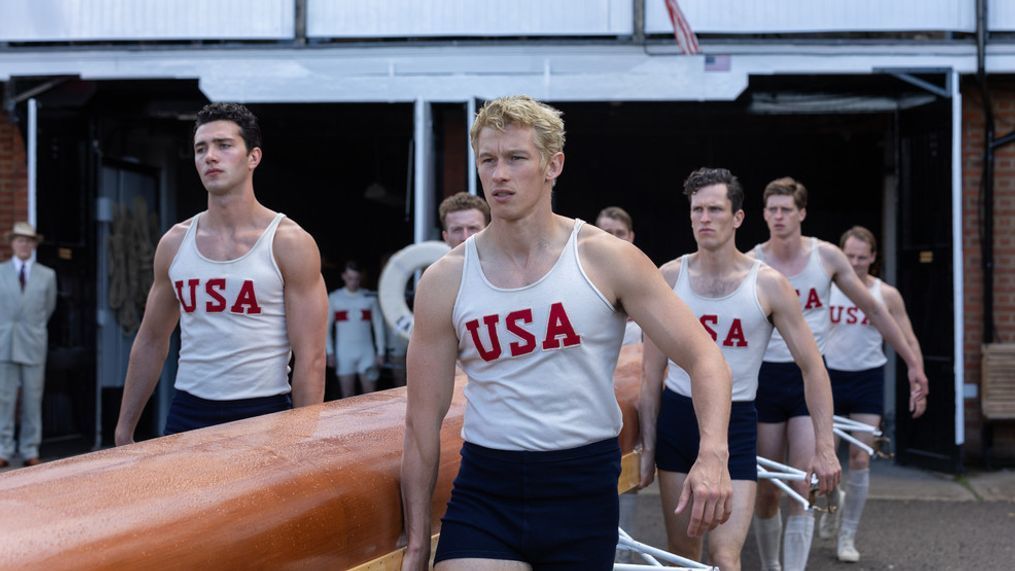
909	76
12	98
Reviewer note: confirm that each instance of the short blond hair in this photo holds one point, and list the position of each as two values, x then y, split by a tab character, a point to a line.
522	111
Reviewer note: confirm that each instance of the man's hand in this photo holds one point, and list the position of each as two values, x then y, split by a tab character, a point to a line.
416	559
647	467
917	401
709	491
122	436
825	465
919	388
918	381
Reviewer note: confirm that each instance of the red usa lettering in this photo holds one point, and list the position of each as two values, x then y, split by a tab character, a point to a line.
734	335
559	333
813	300
245	302
852	314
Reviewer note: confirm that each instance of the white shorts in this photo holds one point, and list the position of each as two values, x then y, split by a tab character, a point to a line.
355	359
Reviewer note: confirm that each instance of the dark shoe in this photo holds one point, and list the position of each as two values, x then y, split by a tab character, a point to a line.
4	463
32	462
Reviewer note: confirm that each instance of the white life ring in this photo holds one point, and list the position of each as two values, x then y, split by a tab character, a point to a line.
394	277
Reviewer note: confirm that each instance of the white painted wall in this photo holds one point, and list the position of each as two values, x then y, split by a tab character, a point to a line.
128	20
799	16
470	18
139	20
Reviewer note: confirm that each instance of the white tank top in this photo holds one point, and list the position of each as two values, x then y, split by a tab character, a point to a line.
354	321
736	322
540	358
853	343
234	343
813	285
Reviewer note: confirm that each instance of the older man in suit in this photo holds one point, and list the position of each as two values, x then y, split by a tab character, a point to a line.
27	300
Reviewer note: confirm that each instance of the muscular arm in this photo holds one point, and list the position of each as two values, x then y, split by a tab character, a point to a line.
653	367
897	308
306	310
148	354
778	295
852	286
433	349
630	278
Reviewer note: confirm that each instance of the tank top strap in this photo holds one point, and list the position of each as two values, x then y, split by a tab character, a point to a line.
683	283
752	283
815	254
755	268
190	237
471	258
270	230
759	252
572	240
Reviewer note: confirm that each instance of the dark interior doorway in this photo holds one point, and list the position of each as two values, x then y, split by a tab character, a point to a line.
339	170
637	155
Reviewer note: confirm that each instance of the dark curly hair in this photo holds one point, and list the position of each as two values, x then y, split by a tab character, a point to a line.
706	176
239	114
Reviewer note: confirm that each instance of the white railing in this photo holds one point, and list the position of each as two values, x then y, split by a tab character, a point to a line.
468	18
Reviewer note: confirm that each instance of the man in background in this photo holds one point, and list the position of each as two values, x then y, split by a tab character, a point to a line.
462	215
27	300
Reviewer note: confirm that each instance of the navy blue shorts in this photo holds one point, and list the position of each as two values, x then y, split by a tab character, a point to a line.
188	412
780	392
677	437
860	392
555	510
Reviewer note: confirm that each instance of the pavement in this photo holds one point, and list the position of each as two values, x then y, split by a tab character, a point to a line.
914	519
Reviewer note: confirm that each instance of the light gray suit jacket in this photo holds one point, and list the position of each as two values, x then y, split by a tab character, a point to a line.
23	314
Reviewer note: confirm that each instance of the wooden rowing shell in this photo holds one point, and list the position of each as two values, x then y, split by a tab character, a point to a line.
312	488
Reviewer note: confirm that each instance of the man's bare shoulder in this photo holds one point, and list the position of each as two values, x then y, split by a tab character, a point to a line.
290	235
827	250
438	288
771	279
890	293
296	252
602	248
170	242
671	270
446	270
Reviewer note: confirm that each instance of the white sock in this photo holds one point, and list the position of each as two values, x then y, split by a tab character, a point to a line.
857	486
768	532
796	545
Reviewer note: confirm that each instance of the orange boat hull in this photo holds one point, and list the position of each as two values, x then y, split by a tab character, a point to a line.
316	487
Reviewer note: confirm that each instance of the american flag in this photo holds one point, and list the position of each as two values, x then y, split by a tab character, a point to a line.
682	31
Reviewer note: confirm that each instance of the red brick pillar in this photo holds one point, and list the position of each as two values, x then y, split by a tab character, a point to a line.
1002	91
13	180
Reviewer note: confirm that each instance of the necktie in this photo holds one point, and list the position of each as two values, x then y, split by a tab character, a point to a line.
21	277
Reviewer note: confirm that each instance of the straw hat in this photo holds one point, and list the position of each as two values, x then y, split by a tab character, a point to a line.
24	229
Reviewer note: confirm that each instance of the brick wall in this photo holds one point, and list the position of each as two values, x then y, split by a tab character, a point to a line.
1003	95
13	180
